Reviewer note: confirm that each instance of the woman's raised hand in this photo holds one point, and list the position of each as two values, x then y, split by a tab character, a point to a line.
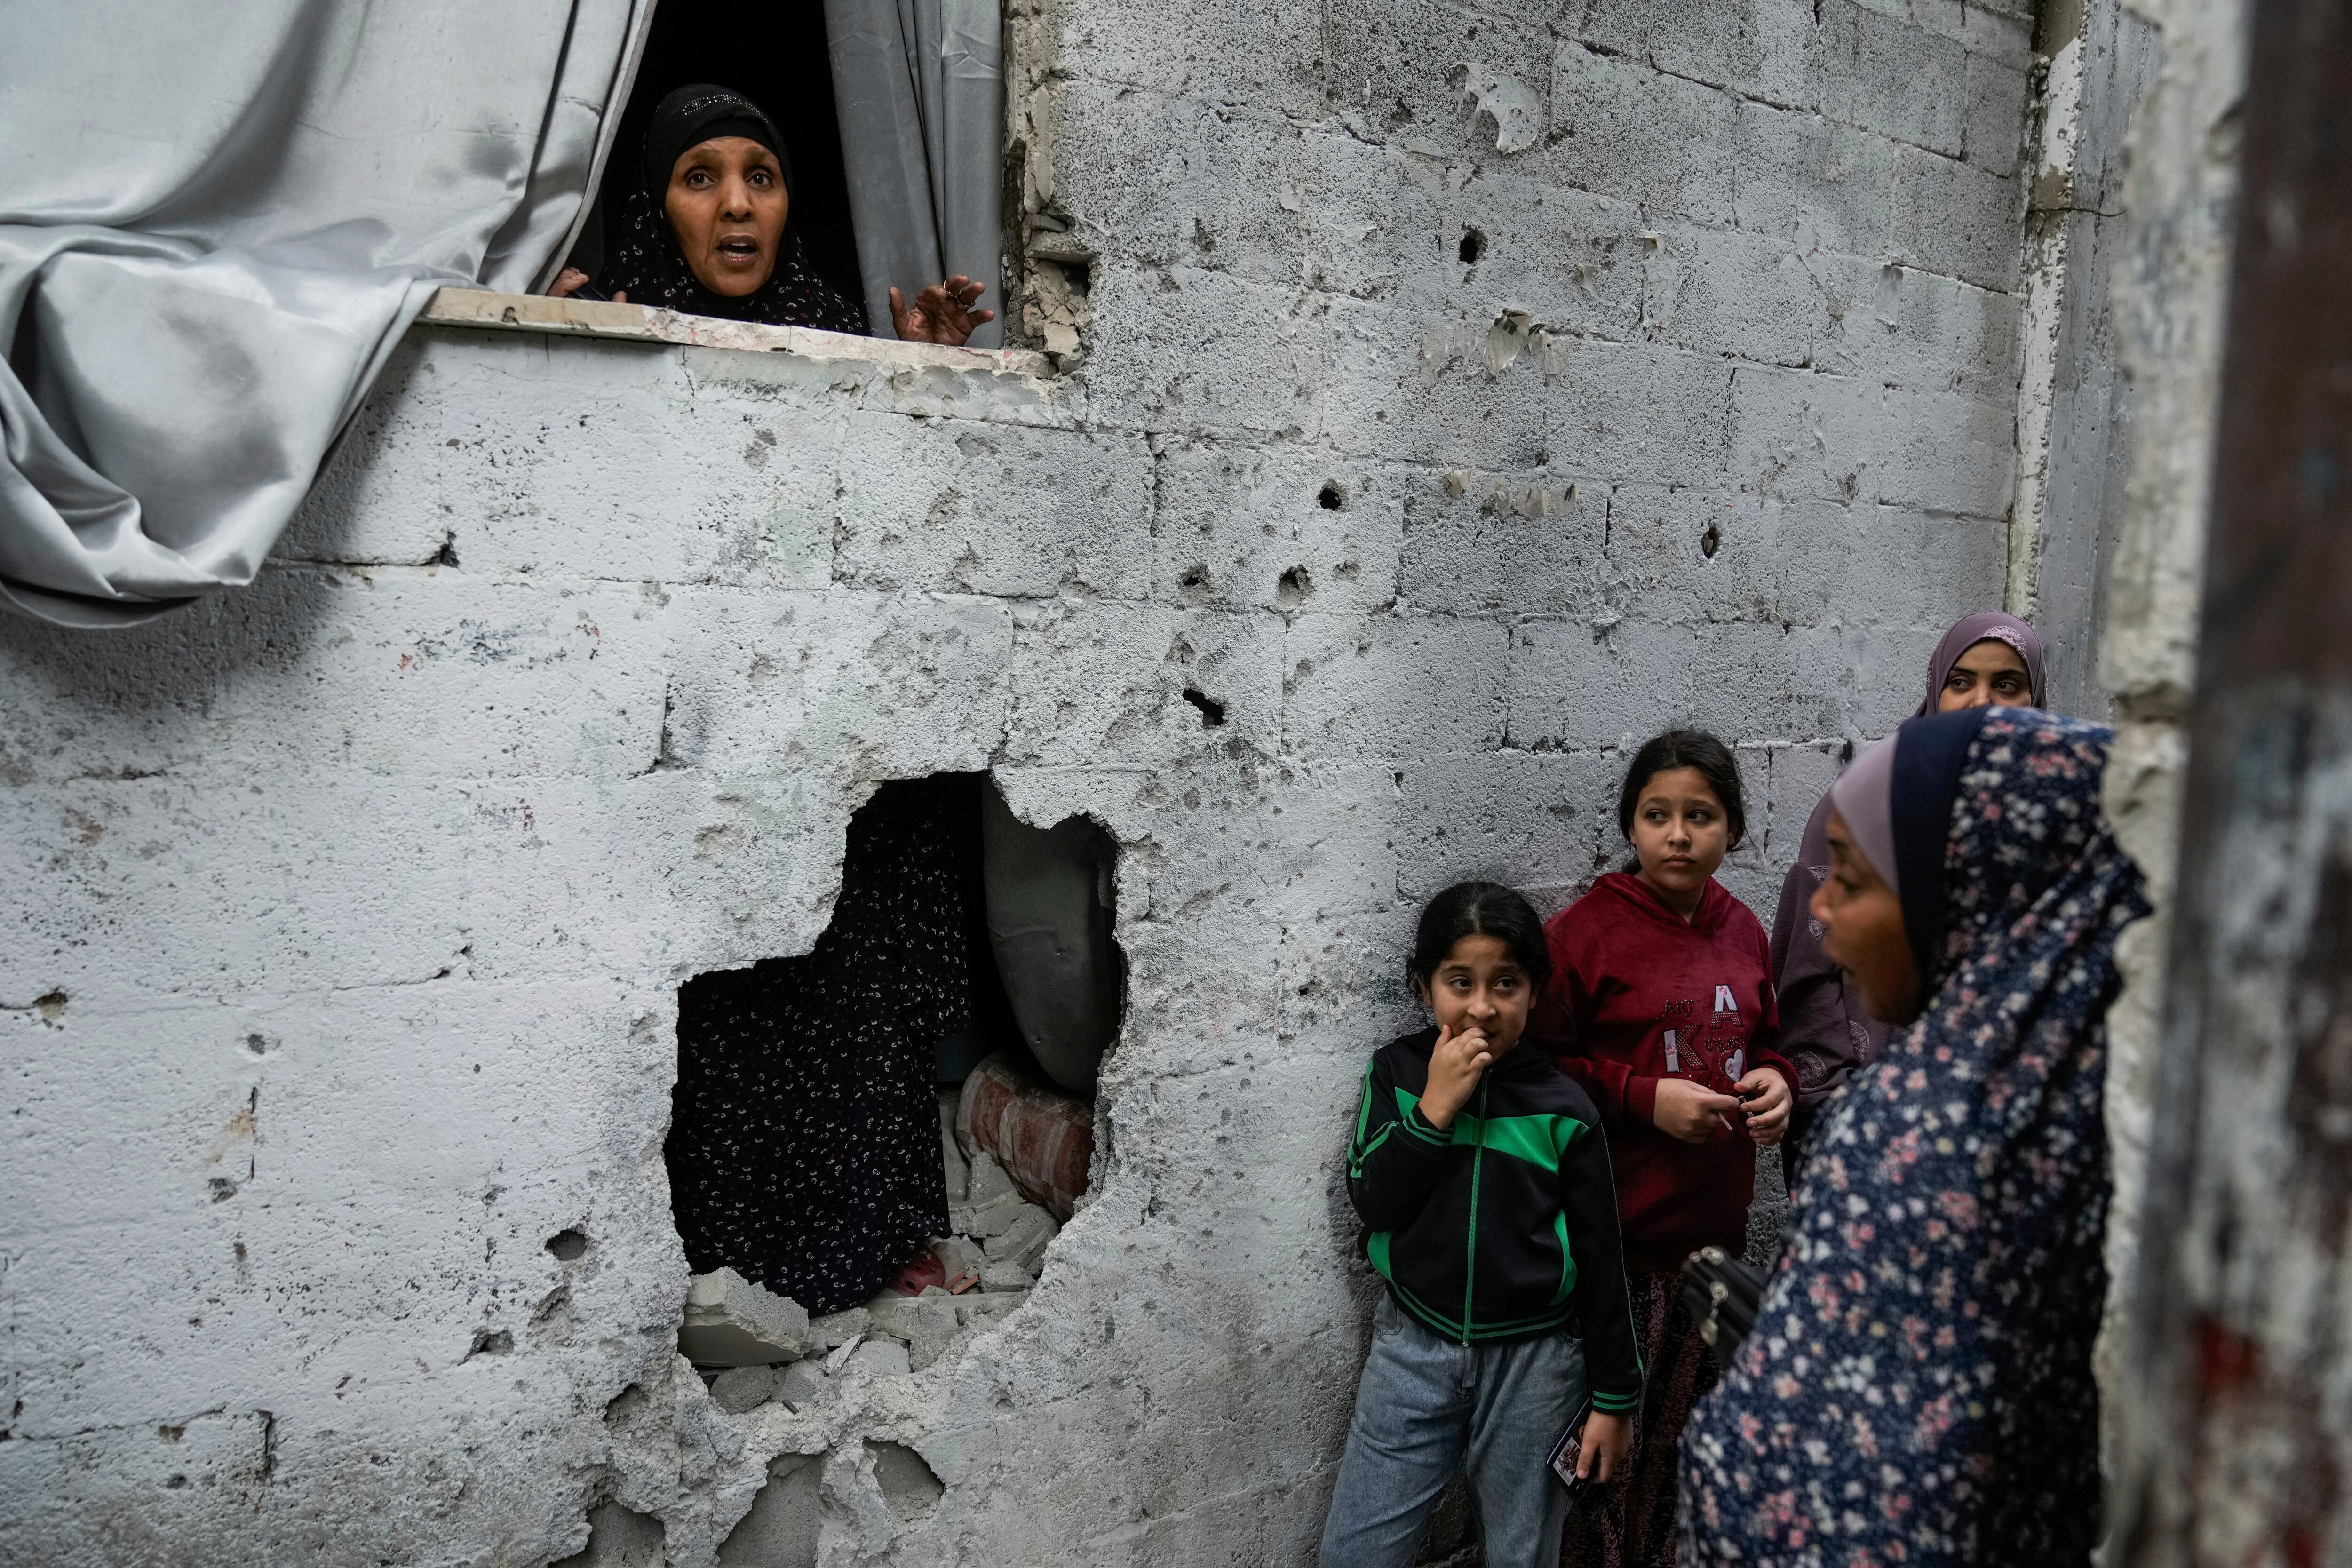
1766	1094
570	280
942	314
1455	1064
1684	1110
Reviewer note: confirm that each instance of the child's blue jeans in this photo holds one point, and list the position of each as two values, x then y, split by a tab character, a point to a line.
1427	1409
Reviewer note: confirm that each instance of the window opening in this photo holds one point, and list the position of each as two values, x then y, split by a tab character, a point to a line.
778	56
872	1144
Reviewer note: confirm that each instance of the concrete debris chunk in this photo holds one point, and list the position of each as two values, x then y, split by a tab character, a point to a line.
803	1384
882	1358
991	1202
837	1329
729	1321
925	1324
981	1311
1024	1241
741	1388
840	1357
995	1278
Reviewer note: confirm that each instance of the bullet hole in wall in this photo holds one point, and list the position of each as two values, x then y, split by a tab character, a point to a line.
806	1146
1296	586
567	1245
1333	497
1474	246
1213	712
1710	542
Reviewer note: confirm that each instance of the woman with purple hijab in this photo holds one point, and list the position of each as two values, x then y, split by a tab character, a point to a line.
1987	659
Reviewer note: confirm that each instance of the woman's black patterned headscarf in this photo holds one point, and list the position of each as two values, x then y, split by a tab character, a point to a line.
646	261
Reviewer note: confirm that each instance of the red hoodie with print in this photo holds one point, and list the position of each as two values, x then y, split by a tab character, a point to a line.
1637	995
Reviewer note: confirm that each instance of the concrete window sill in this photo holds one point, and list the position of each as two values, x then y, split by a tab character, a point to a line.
643	323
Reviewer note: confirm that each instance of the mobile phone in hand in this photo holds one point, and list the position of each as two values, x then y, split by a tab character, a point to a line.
1564	1456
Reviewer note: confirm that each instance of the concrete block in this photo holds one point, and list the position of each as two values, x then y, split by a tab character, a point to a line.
1883	74
1741	296
1690	556
837	1329
991	1203
1023	1243
1267	56
1183	181
785	1525
986	1305
1525	542
1904	327
802	1384
1639	412
1994	135
1824	185
1274	528
1621	129
1957	220
1103	683
742	1388
763	684
1193	346
1400	68
1007	1278
881	1358
1573	685
1763	49
991	508
1569	258
925	1324
1394	687
1523	818
1419	386
731	1321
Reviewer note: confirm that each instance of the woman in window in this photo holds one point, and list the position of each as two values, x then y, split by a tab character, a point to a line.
703	233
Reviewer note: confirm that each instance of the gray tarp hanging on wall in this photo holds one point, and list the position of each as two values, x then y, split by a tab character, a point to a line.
920	88
215	221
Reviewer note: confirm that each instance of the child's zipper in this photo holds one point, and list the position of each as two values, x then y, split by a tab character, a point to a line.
1470	1273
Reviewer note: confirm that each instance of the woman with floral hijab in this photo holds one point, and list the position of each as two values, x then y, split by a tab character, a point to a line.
1918	1389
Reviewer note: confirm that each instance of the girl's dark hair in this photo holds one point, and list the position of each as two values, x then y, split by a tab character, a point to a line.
1686	749
1481	908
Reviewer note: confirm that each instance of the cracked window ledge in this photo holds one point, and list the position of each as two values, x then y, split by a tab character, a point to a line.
644	323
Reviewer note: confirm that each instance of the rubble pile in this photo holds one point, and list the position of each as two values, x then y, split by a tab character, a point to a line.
753	1346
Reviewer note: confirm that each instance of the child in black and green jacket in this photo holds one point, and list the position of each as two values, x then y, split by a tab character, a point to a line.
1482	1178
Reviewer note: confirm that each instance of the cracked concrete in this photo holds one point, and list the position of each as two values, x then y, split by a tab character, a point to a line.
1273	561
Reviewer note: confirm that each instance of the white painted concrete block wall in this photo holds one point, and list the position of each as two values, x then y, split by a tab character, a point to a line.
340	966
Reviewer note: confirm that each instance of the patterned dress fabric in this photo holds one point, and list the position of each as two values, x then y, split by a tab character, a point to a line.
648	265
804	1139
1630	1522
1918	1389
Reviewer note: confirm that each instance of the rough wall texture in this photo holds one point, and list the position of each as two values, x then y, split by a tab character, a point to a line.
2172	292
2074	411
1453	393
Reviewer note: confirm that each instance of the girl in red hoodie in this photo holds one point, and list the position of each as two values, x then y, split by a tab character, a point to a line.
1662	1008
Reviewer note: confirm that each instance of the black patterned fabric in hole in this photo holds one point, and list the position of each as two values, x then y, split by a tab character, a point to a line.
804	1148
645	263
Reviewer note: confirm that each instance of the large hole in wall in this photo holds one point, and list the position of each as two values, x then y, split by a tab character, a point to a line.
872	1144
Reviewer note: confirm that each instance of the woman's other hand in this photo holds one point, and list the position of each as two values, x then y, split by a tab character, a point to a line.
1602	1454
570	280
1684	1110
1455	1064
1766	1095
942	314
